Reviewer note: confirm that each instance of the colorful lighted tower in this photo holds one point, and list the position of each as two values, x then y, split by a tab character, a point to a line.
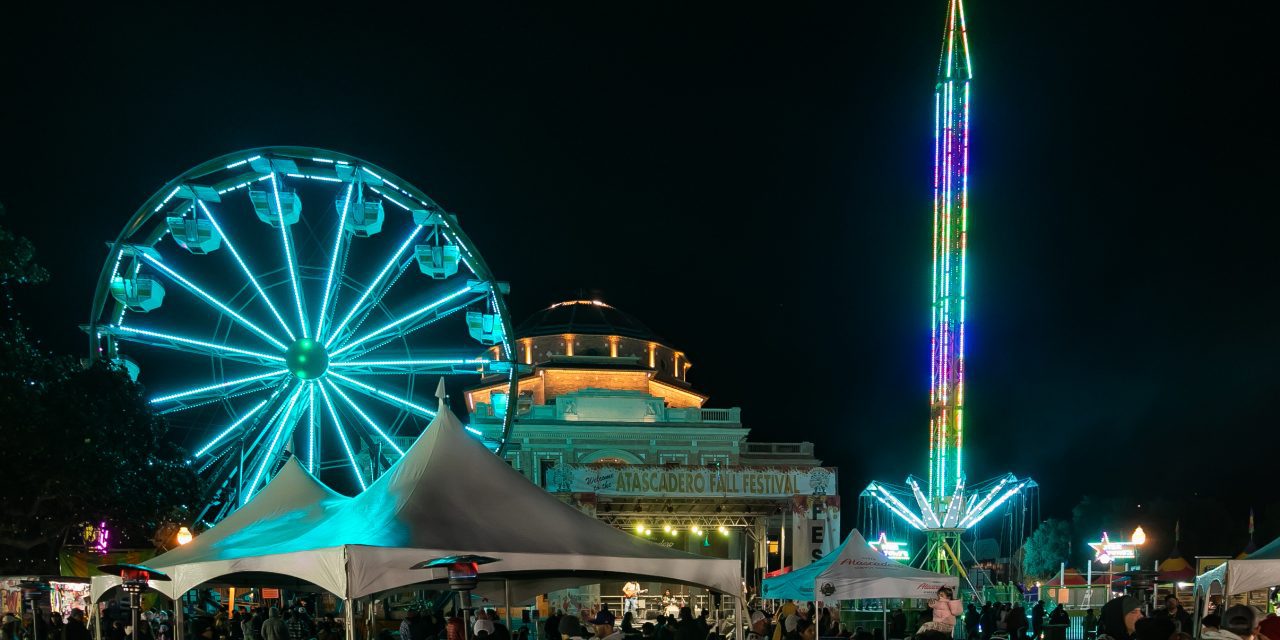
945	508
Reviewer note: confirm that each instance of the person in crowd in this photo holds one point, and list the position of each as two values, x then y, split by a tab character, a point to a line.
1119	619
944	608
1270	626
759	625
790	627
604	630
571	628
1016	623
454	629
806	630
1090	625
1174	611
75	629
251	626
1060	615
686	628
1239	622
1037	620
780	618
551	626
704	624
628	626
406	626
897	624
298	624
483	628
273	627
972	621
1210	624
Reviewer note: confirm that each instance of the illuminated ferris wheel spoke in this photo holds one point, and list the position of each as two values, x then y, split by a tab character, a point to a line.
286	237
200	293
338	248
358	306
229	385
311	428
285	422
189	345
383	396
367	420
408	317
208	399
231	429
342	436
433	366
226	239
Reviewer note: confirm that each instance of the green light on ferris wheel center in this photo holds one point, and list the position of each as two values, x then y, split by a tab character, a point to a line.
307	359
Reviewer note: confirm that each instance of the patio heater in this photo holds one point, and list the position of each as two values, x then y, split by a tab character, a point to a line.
464	575
133	580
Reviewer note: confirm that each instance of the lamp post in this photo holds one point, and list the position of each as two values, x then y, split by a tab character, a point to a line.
464	575
134	579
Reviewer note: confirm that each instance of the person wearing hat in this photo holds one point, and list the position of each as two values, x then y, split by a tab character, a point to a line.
602	624
1120	618
1239	622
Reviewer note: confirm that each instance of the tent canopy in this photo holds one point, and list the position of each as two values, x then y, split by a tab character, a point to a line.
853	571
1258	571
448	495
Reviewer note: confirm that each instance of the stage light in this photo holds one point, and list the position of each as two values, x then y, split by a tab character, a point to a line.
184	535
666	528
640	528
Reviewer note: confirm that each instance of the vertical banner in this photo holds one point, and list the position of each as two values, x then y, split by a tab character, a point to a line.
815	528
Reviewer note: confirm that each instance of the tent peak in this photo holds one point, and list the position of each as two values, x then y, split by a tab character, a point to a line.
441	393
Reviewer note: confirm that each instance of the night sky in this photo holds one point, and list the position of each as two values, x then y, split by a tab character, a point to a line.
754	183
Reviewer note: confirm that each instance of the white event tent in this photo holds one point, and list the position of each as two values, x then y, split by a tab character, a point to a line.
855	571
448	495
1259	570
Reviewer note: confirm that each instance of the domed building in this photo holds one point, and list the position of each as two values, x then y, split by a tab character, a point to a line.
608	420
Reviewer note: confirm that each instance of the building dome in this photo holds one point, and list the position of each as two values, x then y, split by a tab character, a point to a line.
584	317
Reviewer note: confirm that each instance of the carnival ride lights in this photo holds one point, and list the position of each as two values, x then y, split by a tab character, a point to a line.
944	507
275	340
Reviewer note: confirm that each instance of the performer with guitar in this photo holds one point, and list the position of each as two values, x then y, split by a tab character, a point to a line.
630	592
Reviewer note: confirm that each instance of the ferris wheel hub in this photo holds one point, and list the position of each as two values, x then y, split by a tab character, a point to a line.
307	359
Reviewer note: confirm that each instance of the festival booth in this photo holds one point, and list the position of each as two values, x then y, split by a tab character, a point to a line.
1256	573
447	496
855	571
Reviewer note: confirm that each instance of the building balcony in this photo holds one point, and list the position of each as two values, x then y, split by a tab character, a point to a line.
642	412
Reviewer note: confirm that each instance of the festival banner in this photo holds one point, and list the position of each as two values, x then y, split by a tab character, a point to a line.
671	481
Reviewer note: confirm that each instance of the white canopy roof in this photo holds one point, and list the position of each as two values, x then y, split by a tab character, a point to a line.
449	495
854	571
1260	570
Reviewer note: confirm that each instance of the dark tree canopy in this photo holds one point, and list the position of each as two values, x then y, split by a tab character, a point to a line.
83	446
1047	548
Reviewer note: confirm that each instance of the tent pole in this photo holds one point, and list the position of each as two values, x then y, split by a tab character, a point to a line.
179	618
348	619
97	620
739	612
506	600
884	617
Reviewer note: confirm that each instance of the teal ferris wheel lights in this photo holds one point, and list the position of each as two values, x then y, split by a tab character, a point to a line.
215	387
226	240
408	317
163	338
333	259
287	239
220	305
355	308
283	423
377	393
346	446
231	429
367	420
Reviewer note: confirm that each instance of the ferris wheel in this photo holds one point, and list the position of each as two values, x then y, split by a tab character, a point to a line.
261	331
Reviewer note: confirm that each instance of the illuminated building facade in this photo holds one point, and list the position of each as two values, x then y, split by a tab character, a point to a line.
608	420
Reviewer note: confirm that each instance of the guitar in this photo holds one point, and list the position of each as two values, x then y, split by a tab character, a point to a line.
631	593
